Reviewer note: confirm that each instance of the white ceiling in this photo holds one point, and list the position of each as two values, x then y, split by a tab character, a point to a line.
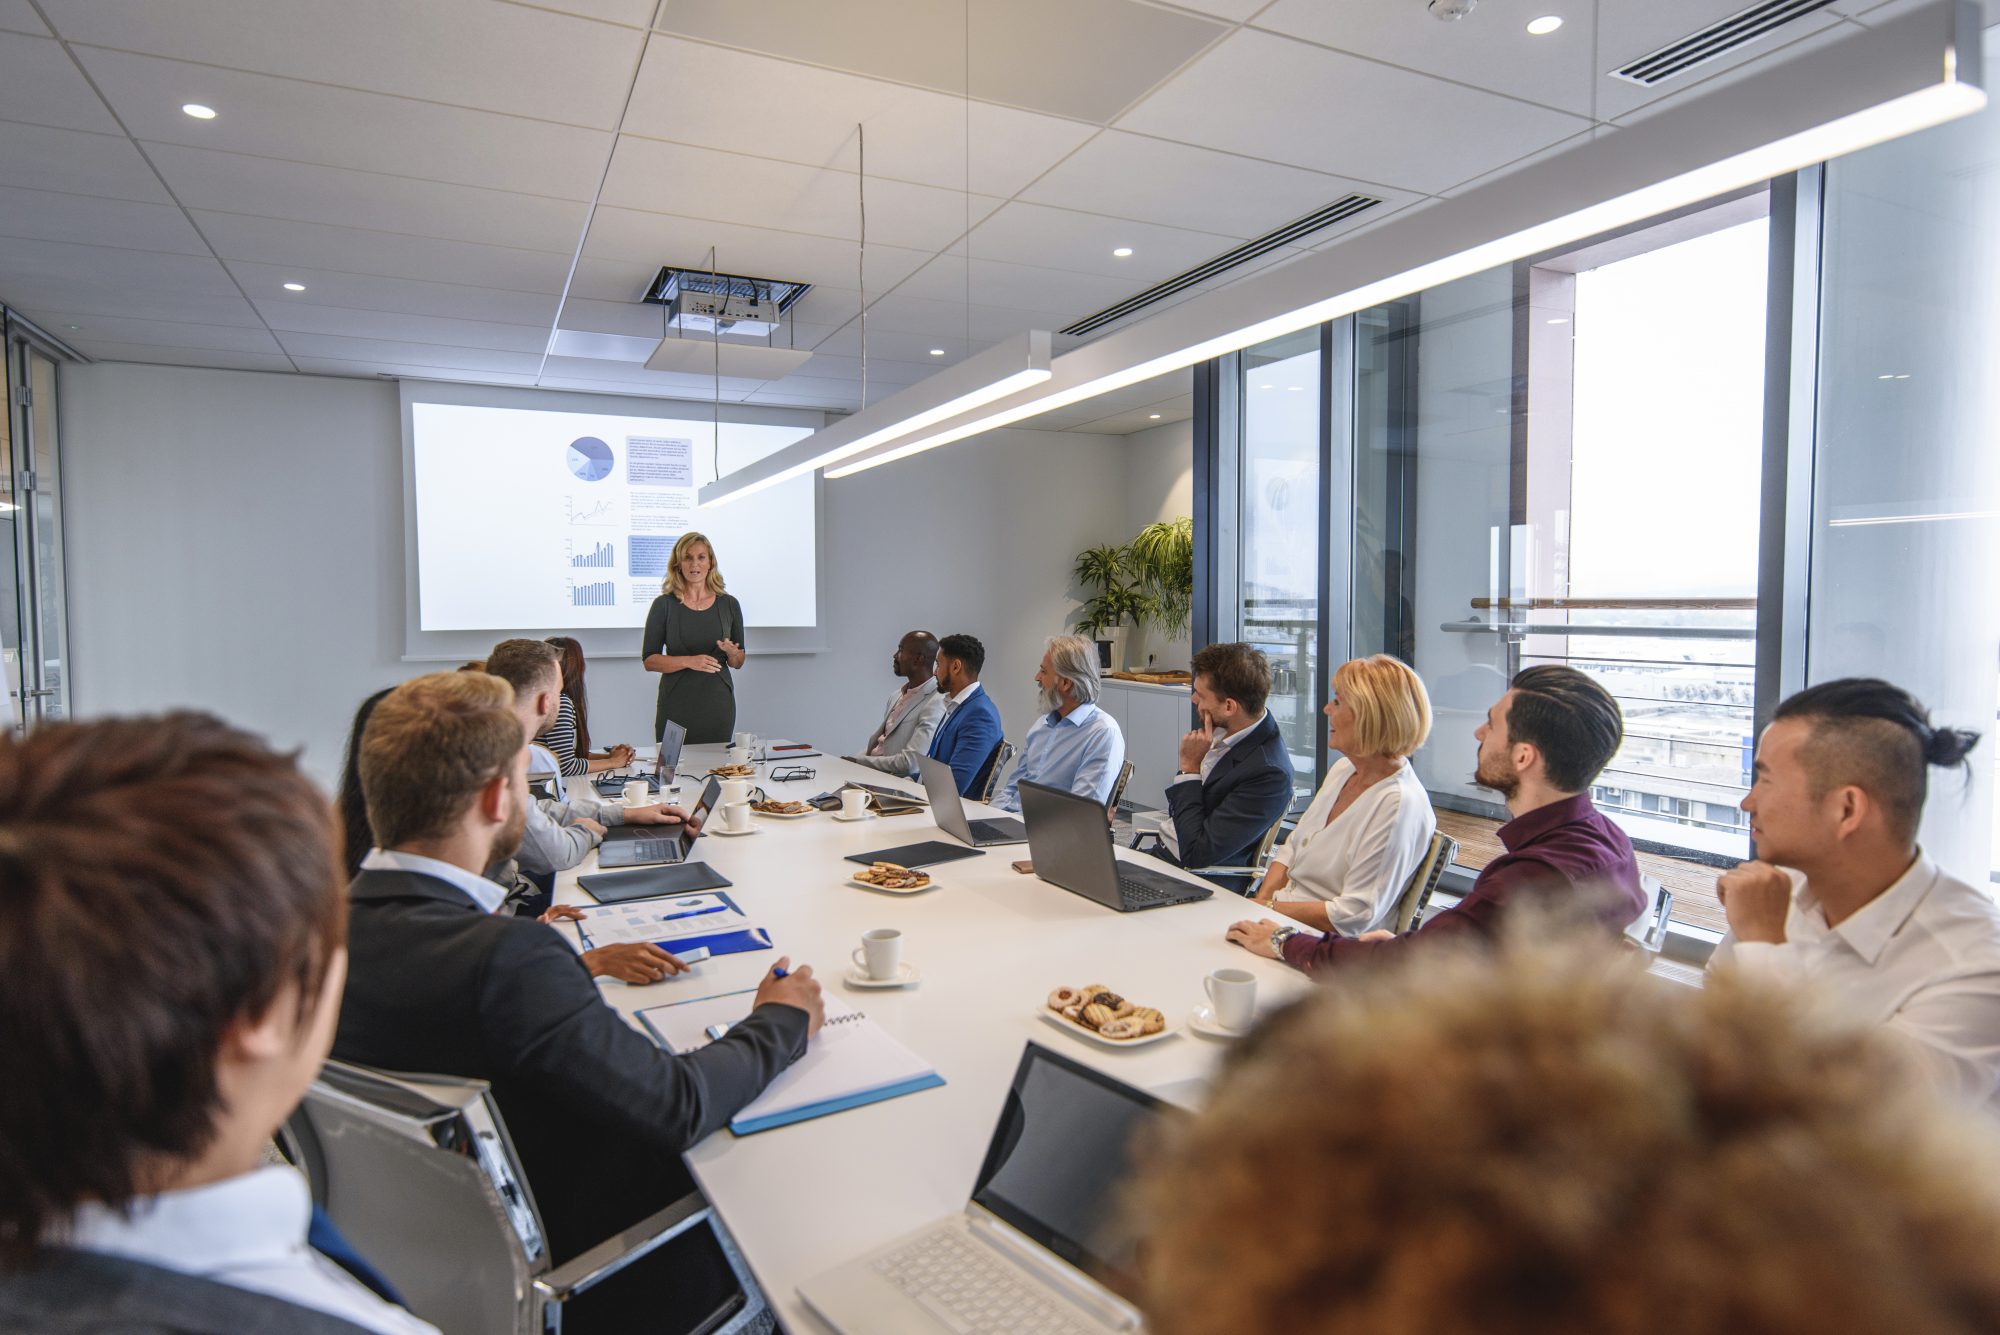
454	180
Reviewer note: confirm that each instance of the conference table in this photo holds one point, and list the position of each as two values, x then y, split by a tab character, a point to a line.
990	944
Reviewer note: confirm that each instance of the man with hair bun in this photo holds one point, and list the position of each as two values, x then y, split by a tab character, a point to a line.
1840	893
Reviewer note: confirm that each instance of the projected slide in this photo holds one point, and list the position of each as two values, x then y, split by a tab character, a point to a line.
530	520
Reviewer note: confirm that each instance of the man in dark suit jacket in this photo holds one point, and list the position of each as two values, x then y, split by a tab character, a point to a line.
971	733
1235	779
438	982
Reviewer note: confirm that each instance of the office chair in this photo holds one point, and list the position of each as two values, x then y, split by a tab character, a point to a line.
1423	881
1118	789
1648	931
995	764
419	1173
1260	860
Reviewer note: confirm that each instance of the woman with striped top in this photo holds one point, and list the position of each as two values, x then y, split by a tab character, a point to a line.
569	739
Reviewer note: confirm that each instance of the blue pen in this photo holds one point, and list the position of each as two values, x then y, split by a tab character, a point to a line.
691	913
780	973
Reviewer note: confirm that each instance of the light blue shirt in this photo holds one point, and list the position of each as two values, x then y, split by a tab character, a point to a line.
477	888
1082	753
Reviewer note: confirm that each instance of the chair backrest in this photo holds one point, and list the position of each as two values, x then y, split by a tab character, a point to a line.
1262	857
995	765
1118	788
1648	931
1424	880
419	1173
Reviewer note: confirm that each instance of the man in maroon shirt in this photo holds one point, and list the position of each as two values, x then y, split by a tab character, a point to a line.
1543	743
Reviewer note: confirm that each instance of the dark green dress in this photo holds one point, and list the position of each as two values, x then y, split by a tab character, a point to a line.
702	702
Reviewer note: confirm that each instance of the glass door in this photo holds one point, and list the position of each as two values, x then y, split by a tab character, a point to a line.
34	632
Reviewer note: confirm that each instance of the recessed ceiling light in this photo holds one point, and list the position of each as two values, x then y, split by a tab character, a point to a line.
937	352
1153	417
1266	387
1122	251
198	111
1544	25
295	287
1561	319
1294	388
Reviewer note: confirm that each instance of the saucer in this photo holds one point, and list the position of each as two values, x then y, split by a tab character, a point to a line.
906	976
1202	1021
733	834
866	815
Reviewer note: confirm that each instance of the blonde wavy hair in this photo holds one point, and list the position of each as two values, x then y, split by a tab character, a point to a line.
1545	1138
1392	711
677	586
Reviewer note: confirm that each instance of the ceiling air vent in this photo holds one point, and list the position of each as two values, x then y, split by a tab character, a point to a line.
1717	39
1287	235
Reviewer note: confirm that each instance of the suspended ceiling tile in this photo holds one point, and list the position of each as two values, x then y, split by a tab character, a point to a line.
40	84
882	369
440	356
619	319
40	157
297	316
288	243
693	93
901	312
1133	176
340	127
630	13
497	57
1628	29
235	183
618	281
1552	150
1704	79
584	385
800	401
363	370
1035	234
82	219
759	252
667	382
19	16
73	325
701	183
1050	293
108	270
1081	58
1270	97
1491	48
895	345
160	354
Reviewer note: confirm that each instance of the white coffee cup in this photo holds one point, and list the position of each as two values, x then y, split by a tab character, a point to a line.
735	790
745	740
736	817
881	953
853	803
1233	993
739	755
637	791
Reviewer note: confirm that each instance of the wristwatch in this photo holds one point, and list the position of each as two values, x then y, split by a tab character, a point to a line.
1280	935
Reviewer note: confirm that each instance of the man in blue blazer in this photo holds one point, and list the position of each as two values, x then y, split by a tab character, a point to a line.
1235	779
969	738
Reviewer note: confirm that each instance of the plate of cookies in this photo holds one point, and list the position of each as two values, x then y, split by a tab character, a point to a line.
734	772
787	810
892	878
1096	1012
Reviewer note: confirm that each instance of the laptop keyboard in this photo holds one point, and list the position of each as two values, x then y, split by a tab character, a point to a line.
1148	892
658	849
972	1292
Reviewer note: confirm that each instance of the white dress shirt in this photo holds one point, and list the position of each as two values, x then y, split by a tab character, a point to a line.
1922	958
482	892
1218	747
248	1232
1360	862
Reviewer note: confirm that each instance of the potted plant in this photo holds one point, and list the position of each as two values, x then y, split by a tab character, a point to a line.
1161	562
1105	572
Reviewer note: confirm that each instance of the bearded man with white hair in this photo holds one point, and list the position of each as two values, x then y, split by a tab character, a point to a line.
1074	744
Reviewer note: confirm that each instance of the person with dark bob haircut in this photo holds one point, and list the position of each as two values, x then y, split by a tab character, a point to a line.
357	837
1541	747
172	951
1544	1139
1842	894
568	738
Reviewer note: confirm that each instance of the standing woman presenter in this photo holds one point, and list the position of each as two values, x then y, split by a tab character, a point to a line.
694	636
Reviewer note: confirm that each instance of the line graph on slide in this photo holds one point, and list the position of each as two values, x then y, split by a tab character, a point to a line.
595	514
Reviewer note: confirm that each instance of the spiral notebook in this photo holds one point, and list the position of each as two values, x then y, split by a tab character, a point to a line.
850	1062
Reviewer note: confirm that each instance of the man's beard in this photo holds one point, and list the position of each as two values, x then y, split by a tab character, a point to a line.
1500	781
508	842
1051	702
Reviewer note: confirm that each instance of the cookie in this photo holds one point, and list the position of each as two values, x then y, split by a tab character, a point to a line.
1150	1020
1064	997
1073	1013
1097	1016
1122	1030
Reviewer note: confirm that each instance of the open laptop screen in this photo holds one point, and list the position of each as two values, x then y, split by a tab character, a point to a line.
672	737
1060	1160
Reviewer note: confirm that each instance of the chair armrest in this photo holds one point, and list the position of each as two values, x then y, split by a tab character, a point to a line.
1228	871
607	1258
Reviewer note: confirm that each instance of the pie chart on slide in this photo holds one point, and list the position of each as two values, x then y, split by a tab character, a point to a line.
590	458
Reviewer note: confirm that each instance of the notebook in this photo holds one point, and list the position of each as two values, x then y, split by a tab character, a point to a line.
851	1061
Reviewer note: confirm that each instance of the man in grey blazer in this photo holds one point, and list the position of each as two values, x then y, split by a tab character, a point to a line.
911	717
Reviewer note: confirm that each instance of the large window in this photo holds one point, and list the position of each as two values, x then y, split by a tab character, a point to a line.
1278	495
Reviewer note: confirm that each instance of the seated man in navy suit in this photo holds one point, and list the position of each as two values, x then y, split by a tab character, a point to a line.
970	733
1235	779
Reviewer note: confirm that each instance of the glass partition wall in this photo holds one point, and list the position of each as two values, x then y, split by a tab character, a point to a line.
34	636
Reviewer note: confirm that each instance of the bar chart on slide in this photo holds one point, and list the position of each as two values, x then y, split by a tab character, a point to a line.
603	594
598	557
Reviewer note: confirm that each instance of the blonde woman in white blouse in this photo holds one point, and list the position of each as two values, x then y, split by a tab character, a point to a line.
1370	823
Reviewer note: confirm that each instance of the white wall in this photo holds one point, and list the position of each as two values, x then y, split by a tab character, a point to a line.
1159	484
235	544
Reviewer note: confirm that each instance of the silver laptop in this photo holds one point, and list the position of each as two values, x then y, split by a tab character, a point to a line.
1069	840
941	786
1048	1242
666	761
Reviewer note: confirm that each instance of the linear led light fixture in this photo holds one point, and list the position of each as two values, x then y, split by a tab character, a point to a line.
1912	73
1004	369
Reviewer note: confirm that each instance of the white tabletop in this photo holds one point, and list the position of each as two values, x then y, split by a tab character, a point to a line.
991	943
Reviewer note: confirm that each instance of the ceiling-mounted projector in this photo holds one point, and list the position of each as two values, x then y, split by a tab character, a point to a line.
723	313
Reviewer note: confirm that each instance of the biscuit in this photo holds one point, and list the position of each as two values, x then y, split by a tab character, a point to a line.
1064	997
1097	1016
1122	1030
